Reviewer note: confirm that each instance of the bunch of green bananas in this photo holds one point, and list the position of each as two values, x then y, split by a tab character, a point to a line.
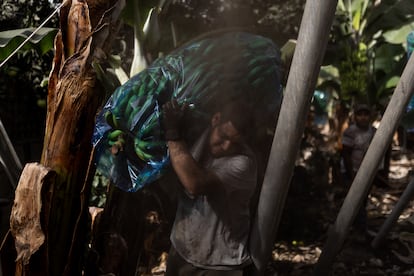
354	73
206	73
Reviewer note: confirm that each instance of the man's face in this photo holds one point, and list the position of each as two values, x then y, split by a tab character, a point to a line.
224	139
363	118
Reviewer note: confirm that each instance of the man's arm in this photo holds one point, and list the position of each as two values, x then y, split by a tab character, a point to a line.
195	179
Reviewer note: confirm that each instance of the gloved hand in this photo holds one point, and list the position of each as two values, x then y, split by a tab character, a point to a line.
173	115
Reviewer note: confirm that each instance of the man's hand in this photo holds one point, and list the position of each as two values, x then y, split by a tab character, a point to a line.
173	115
195	179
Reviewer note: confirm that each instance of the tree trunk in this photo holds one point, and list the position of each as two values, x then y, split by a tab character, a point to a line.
73	99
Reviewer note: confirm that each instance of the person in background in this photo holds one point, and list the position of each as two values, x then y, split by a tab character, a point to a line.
356	139
355	142
218	177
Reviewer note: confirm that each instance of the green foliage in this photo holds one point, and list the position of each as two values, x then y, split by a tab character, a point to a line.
16	14
22	90
136	12
99	191
398	36
24	73
389	15
42	41
367	47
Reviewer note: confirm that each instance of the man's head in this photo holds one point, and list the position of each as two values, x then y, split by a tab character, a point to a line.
230	128
362	114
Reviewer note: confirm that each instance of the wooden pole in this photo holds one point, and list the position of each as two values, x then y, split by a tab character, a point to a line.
405	198
362	182
307	59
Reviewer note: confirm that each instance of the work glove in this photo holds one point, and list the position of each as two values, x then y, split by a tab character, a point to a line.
172	119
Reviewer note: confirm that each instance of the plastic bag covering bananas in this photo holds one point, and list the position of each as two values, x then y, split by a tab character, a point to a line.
205	73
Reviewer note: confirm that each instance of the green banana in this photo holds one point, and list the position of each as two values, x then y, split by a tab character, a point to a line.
130	106
208	48
137	113
120	108
257	61
161	85
142	89
114	134
141	154
111	119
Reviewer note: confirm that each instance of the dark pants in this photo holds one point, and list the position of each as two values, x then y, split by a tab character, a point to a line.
177	266
360	222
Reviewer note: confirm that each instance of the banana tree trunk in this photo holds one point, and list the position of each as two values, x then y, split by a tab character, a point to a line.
86	28
307	59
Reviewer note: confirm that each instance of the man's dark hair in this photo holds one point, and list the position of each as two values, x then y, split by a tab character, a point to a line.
240	113
362	107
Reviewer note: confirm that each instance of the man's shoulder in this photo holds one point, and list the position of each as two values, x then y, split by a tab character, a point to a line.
241	161
351	129
239	168
245	156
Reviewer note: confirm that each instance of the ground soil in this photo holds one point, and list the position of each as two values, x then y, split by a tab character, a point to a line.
304	227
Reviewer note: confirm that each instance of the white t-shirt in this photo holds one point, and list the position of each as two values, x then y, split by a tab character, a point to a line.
211	231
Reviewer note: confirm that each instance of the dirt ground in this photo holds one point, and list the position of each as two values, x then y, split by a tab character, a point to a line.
303	229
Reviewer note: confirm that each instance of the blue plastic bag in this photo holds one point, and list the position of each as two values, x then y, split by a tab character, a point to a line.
206	73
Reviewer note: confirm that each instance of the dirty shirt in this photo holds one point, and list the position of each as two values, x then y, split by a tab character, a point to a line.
211	231
358	139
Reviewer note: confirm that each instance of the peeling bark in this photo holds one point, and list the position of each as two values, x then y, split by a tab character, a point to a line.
25	215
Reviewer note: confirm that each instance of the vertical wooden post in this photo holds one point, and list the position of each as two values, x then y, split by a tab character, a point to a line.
362	182
313	37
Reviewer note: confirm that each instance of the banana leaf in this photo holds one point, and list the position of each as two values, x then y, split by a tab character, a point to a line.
387	57
390	15
399	36
42	41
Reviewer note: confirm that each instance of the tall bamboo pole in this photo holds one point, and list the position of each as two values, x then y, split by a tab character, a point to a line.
362	182
312	40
